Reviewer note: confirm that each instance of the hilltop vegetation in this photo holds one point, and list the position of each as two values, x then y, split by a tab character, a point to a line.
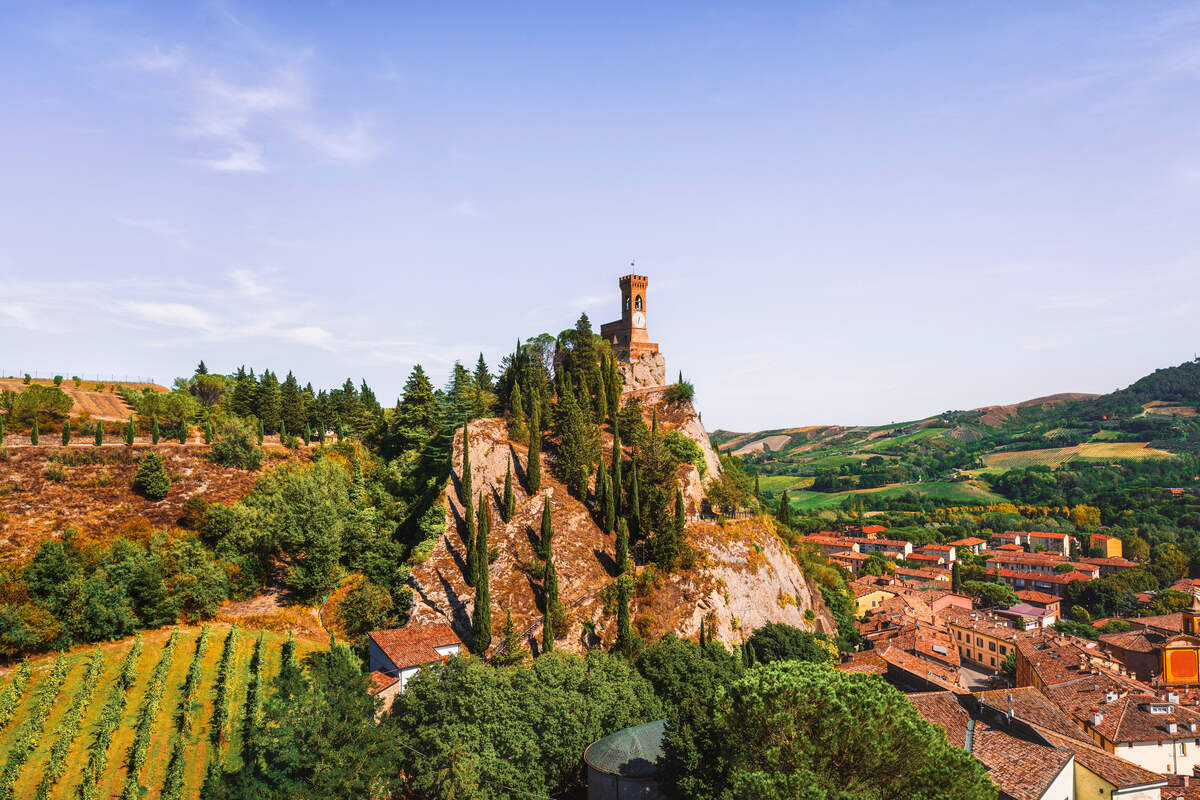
918	464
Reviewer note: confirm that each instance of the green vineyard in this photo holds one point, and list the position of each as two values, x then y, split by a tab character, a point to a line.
85	724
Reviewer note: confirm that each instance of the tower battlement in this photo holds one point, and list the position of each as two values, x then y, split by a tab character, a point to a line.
627	335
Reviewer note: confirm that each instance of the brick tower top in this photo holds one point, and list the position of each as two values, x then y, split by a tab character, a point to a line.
628	334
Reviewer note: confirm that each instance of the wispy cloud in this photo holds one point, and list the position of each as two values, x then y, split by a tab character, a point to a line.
159	59
173	315
350	145
18	315
247	283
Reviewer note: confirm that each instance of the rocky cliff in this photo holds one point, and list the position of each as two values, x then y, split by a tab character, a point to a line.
744	574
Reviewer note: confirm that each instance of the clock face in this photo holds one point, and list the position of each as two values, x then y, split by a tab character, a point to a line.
639	319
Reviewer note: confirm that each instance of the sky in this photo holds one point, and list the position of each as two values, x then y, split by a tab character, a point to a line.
849	213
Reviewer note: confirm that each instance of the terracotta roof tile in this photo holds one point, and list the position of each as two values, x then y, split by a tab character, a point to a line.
381	681
414	645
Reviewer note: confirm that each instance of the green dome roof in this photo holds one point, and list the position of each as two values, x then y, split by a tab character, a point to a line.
632	752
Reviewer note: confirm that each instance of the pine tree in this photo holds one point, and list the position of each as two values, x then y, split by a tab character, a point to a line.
481	618
510	502
625	640
208	432
258	430
464	490
783	514
547	529
622	556
34	434
154	431
512	649
483	378
66	432
129	432
99	433
533	471
617	484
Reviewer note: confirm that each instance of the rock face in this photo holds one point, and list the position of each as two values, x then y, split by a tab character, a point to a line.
648	371
743	577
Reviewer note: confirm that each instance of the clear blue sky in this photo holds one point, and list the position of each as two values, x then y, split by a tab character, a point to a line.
849	212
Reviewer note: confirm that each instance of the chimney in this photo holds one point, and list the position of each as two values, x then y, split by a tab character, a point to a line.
1172	727
1110	696
1097	718
1172	697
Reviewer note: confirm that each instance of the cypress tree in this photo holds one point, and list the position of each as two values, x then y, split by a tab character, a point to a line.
307	434
154	432
654	425
700	638
602	495
321	433
547	632
783	514
469	541
208	432
337	428
464	490
481	618
182	432
2	428
550	589
258	430
748	655
955	577
680	516
129	431
635	504
622	556
99	433
510	502
34	434
617	484
624	631
757	494
66	433
282	431
610	506
547	532
533	471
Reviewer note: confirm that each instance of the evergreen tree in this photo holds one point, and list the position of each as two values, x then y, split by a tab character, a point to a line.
129	431
2	428
268	402
516	406
469	541
152	479
337	429
34	434
533	471
282	431
321	434
547	631
66	432
757	493
617	482
242	399
547	532
181	432
512	650
610	506
99	433
783	514
625	640
154	431
578	444
307	434
602	495
464	491
622	557
635	503
550	586
292	411
201	369
418	416
955	577
208	431
258	431
481	618
510	502
483	378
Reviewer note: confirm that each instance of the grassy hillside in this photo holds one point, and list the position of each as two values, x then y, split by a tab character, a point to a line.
966	493
199	743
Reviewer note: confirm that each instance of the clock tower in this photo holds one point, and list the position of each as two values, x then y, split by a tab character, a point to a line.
628	334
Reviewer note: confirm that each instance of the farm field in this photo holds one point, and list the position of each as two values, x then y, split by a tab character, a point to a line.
1056	456
104	405
199	745
957	492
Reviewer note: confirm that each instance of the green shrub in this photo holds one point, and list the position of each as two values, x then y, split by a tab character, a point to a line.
234	446
680	392
152	480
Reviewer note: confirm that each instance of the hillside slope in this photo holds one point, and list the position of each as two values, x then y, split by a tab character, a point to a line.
740	576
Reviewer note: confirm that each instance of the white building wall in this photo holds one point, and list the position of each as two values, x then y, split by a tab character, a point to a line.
1063	787
1169	758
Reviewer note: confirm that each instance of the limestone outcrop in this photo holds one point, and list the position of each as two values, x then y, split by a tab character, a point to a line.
646	372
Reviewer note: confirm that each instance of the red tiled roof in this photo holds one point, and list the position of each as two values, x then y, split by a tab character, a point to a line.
1046	535
1022	770
1012	548
1112	561
414	645
381	681
867	661
923	557
970	541
1044	577
873	528
1030	596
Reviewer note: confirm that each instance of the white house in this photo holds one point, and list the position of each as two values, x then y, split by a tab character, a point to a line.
396	654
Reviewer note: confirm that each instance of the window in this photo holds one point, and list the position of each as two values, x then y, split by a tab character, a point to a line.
978	642
1003	650
626	304
637	302
993	661
992	646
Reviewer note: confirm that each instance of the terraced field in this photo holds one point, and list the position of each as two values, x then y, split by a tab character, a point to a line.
68	734
1057	456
